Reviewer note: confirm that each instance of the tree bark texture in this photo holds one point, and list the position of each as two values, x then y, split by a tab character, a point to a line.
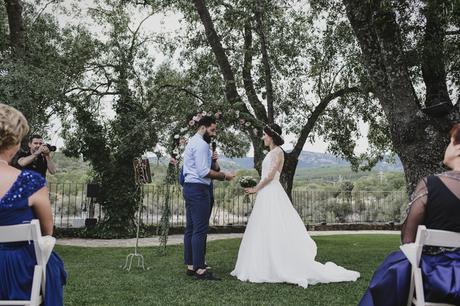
418	139
16	26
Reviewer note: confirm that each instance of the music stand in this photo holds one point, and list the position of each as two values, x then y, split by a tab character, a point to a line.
142	176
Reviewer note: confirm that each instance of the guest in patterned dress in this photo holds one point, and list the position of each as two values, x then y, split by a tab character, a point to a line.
435	204
23	197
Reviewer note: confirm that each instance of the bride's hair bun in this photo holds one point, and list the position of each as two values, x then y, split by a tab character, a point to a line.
274	131
13	127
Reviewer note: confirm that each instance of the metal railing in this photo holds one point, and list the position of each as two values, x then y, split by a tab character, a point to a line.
232	207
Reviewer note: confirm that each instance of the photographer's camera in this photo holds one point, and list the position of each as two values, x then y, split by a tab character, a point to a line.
51	148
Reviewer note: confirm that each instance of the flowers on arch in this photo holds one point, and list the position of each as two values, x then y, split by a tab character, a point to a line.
180	138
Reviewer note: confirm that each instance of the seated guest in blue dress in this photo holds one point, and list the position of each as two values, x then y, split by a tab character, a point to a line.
435	204
23	197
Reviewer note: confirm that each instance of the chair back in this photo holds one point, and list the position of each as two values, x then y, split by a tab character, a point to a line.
27	232
437	238
23	232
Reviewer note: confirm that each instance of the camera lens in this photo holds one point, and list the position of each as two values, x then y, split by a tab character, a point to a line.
51	148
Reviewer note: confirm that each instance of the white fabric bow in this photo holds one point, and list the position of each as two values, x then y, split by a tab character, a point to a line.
46	245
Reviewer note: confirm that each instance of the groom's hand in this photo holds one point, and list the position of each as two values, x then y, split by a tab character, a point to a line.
229	176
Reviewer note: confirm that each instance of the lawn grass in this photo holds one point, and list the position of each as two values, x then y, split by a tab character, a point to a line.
95	276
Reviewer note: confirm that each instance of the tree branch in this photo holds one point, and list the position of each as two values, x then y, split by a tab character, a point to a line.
94	91
258	107
42	10
375	27
136	32
265	61
433	67
457	32
319	109
16	26
231	92
187	91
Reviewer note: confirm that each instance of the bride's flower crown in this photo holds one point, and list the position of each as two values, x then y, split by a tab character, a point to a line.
274	132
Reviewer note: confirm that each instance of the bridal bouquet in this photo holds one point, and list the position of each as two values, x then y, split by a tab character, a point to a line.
247	182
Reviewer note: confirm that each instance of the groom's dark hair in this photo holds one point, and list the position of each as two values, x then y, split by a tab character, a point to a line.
206	121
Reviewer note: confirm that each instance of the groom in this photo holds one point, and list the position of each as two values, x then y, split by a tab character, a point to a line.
198	175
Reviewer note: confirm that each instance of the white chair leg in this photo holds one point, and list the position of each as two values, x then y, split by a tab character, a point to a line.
43	276
411	288
418	282
36	286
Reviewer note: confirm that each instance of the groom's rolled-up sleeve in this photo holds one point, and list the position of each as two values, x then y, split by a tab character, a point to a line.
202	159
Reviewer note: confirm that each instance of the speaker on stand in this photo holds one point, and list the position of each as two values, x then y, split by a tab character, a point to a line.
92	192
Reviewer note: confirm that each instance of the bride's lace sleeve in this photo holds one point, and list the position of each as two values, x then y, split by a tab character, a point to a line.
415	213
276	164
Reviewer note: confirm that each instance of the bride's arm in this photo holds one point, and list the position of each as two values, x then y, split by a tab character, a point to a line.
276	164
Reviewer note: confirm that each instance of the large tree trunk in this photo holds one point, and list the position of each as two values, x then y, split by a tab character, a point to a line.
419	140
259	156
16	26
287	176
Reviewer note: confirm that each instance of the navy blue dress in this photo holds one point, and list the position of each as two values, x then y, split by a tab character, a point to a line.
17	260
440	268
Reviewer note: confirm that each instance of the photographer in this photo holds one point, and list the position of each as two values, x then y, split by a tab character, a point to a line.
38	158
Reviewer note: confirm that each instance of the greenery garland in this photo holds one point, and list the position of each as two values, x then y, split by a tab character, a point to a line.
163	229
177	146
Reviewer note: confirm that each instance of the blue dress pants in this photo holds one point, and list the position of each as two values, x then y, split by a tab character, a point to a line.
197	206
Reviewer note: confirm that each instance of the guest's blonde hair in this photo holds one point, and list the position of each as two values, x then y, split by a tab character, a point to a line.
13	127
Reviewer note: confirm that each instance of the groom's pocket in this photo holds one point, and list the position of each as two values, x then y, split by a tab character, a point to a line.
196	193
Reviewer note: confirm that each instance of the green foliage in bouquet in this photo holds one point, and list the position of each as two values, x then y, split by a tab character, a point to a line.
247	182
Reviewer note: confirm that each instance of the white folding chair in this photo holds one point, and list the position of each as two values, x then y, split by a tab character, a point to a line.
30	232
413	252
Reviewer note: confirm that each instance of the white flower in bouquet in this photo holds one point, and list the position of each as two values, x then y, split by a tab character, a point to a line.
247	182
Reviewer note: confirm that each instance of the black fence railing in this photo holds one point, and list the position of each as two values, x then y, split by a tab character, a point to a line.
72	208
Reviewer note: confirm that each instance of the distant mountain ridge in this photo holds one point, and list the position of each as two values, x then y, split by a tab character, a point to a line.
307	160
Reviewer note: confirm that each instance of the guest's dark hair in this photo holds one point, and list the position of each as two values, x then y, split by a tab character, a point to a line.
34	136
274	131
206	121
455	133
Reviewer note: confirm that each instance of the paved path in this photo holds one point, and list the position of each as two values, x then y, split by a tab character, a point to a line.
177	239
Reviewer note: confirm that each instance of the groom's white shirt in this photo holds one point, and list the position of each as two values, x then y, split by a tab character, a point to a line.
197	161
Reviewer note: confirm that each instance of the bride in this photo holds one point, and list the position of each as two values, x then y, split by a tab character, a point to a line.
276	247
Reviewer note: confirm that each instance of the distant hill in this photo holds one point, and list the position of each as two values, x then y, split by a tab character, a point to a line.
307	160
310	160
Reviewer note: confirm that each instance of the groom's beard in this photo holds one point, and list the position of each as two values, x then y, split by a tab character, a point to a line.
207	138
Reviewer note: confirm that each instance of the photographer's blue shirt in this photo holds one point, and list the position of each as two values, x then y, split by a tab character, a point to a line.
197	161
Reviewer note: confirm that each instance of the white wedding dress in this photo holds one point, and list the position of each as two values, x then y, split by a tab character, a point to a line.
276	247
